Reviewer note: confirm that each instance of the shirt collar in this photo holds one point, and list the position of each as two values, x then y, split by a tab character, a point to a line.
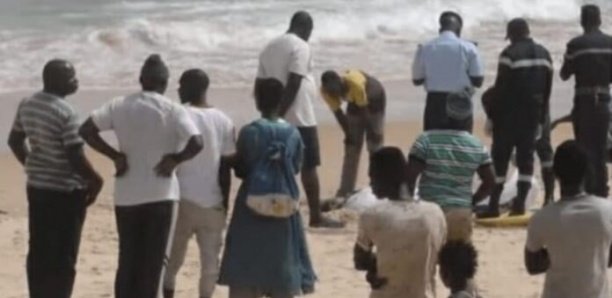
448	34
48	95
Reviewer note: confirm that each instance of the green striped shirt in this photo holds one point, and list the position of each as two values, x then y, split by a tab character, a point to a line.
50	125
452	158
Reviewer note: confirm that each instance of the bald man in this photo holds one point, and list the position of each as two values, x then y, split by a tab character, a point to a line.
151	130
61	182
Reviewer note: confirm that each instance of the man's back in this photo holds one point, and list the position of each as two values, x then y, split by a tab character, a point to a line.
577	233
452	158
407	236
589	58
524	81
198	177
50	125
285	55
447	63
148	126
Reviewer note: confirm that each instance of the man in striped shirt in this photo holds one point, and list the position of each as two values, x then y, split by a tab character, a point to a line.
519	111
61	182
447	160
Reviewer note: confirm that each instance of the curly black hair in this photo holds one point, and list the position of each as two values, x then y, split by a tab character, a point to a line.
458	262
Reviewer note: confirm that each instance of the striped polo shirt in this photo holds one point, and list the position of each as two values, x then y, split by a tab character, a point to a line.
452	158
51	125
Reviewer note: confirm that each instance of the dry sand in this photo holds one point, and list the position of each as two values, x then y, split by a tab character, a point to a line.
501	271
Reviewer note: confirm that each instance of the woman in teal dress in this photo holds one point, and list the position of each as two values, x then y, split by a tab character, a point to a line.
266	256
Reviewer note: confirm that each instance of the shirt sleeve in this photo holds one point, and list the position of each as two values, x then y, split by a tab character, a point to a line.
418	65
419	149
184	124
568	67
70	130
364	239
103	117
300	59
534	235
229	140
485	157
475	67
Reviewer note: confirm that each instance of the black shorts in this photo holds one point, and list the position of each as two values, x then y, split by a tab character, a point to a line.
312	152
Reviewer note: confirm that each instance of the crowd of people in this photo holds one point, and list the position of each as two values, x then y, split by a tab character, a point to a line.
174	168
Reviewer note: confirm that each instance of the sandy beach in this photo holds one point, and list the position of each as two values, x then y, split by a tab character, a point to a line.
501	273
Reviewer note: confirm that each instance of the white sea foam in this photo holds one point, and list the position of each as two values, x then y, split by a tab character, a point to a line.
107	40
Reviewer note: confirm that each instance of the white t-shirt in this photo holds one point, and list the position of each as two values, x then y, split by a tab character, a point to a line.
290	54
148	126
199	177
577	234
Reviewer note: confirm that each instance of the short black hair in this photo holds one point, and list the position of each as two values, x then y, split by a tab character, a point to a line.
53	72
300	19
571	163
458	260
195	82
590	15
154	72
330	76
447	16
389	163
268	94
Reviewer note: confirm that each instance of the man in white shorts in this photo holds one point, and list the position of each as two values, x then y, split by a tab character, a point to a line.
205	186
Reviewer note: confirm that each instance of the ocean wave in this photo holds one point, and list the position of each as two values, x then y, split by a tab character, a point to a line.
224	37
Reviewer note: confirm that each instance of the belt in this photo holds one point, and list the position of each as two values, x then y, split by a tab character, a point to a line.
581	91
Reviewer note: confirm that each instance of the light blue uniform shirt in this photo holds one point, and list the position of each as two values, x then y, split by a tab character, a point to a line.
447	63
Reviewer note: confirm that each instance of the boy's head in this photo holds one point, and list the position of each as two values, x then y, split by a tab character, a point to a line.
268	95
193	85
571	164
332	84
458	263
387	172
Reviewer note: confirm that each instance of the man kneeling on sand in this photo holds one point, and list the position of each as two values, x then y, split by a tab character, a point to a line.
406	233
570	240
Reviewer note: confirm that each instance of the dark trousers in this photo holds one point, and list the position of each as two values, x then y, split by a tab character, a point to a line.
507	139
55	223
435	112
591	118
144	248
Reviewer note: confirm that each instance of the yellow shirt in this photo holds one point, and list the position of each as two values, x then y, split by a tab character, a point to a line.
356	82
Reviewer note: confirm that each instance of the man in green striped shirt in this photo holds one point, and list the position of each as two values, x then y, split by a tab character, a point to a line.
446	160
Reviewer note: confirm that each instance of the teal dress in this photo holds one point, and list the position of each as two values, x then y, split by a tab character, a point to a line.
267	254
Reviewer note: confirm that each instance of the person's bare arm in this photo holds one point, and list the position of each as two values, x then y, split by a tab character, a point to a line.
564	119
17	143
487	176
537	262
91	134
610	258
80	163
225	179
342	121
169	162
413	170
291	90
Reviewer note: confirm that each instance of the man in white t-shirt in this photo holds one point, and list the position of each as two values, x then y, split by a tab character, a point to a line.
288	59
152	132
570	240
205	186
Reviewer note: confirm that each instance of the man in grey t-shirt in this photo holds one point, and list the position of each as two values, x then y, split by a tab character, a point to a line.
571	239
